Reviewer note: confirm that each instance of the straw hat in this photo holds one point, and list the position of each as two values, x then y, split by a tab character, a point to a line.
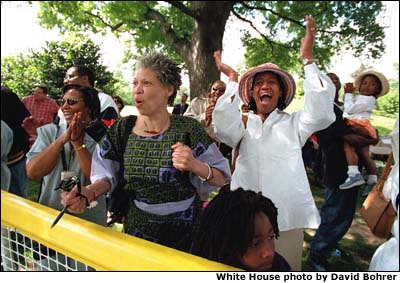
246	82
381	78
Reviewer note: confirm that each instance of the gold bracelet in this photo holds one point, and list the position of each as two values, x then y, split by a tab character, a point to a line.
81	147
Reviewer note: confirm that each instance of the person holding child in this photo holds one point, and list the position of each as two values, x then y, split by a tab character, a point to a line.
357	110
339	206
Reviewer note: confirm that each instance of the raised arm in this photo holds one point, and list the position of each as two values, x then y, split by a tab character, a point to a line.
224	68
307	42
317	112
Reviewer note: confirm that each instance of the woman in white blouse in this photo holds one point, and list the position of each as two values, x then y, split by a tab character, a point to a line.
271	140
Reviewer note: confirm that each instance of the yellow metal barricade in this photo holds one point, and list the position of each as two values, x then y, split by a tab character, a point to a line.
94	245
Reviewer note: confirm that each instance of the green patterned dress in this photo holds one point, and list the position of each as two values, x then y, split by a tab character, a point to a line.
151	178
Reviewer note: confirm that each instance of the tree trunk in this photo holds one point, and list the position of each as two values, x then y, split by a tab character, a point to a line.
207	37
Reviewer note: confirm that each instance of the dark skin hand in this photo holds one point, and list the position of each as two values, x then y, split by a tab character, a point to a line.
349	88
359	141
359	130
209	111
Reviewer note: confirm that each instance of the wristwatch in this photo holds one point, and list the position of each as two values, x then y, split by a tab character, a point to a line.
307	61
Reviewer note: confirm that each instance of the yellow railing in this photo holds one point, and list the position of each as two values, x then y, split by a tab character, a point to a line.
94	245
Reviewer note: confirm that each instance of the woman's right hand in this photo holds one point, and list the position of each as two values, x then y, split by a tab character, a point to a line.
182	157
75	131
218	60
209	111
224	68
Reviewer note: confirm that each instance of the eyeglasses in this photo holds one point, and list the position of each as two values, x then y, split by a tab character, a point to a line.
218	89
70	101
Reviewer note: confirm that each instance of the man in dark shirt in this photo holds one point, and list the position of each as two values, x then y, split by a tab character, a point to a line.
339	207
13	113
181	108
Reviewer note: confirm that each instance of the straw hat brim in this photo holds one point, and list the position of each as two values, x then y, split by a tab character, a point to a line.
246	82
381	78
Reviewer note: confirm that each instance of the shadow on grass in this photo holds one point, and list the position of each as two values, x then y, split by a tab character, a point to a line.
359	243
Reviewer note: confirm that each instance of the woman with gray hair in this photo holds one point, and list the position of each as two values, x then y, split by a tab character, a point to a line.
164	161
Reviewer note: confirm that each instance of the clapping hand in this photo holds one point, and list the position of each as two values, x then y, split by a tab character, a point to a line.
30	124
76	129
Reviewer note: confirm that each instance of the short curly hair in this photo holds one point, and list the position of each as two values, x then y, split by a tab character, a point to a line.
168	72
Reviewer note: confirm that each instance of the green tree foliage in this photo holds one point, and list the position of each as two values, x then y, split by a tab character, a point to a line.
48	66
389	104
341	25
122	88
19	74
190	31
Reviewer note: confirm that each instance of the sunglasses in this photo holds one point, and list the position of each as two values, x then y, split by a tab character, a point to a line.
218	89
70	101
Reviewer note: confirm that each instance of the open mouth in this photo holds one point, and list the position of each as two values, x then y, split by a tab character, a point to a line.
265	97
138	102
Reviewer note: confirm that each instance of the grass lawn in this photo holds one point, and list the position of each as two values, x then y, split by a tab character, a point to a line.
33	189
358	242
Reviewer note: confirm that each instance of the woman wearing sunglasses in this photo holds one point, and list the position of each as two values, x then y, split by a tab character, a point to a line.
66	149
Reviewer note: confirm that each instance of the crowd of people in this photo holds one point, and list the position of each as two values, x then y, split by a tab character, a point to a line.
236	142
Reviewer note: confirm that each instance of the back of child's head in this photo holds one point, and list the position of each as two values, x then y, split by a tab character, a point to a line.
227	225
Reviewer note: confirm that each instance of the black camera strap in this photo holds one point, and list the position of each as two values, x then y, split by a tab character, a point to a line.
56	121
63	159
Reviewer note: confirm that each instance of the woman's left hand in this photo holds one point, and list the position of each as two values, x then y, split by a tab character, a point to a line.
307	42
77	129
182	157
